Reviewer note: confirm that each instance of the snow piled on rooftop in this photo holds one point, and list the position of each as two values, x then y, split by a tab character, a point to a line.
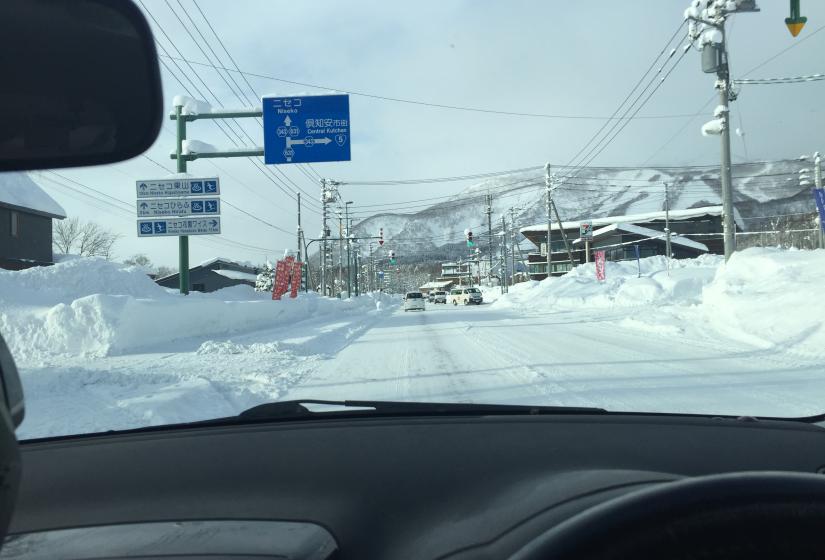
18	189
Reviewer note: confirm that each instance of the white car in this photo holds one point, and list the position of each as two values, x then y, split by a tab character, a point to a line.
414	300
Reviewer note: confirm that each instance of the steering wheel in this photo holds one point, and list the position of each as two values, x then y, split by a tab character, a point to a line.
735	516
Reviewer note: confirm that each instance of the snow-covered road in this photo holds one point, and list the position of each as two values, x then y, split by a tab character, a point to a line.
483	354
747	339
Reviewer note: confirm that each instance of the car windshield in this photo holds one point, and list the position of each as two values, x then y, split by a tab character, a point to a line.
633	189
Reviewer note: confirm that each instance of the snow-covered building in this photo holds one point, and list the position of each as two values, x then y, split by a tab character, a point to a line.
213	275
693	232
26	214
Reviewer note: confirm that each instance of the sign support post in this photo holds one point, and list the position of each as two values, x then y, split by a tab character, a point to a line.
183	240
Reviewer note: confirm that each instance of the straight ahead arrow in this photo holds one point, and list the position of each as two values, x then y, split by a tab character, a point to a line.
287	120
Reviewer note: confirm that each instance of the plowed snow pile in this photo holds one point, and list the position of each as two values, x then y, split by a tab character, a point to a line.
95	308
767	297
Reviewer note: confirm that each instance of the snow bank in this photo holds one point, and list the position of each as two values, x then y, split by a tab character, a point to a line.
622	288
770	297
763	297
91	307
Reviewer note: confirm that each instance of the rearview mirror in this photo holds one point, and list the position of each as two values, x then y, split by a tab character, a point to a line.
81	84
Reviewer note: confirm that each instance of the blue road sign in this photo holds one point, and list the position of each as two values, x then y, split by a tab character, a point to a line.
159	207
179	226
158	188
306	129
819	198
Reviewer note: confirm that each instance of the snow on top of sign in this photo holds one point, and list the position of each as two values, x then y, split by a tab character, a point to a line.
18	189
630	218
192	106
198	147
304	94
237	275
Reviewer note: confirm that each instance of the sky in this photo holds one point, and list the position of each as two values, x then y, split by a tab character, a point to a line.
565	59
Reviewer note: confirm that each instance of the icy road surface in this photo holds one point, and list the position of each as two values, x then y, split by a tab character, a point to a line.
602	358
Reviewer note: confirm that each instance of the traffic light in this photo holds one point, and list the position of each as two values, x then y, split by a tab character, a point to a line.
469	235
392	257
381	236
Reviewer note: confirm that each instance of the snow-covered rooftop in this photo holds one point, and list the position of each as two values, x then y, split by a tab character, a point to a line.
646	232
19	190
436	284
633	218
237	275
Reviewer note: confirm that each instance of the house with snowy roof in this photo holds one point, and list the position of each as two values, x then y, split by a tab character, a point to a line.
694	231
213	275
26	214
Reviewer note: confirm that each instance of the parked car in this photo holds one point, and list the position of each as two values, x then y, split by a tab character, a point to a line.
430	297
466	296
414	300
440	297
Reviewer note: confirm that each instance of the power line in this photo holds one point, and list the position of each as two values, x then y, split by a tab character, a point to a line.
425	103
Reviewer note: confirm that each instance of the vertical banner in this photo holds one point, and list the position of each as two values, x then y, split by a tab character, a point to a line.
280	279
599	258
297	275
638	260
287	276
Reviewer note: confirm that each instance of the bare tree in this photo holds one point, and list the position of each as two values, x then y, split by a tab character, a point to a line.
86	239
165	271
66	233
139	260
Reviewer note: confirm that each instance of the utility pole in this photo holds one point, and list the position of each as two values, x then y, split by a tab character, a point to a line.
513	243
818	184
299	225
349	258
324	237
183	240
490	233
504	248
729	226
715	59
563	235
548	190
667	227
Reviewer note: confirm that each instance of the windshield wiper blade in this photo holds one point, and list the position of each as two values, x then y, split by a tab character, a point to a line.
283	410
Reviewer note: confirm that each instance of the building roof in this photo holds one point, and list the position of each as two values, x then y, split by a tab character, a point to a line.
632	218
646	232
18	190
434	285
237	275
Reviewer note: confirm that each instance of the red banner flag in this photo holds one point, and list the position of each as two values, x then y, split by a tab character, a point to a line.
599	258
297	273
280	278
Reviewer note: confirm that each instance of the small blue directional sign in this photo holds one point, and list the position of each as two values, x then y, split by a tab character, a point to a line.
158	188
161	207
179	226
306	129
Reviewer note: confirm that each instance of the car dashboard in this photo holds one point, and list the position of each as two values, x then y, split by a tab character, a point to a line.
390	488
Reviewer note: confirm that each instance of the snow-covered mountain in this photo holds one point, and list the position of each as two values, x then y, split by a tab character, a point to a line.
437	232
